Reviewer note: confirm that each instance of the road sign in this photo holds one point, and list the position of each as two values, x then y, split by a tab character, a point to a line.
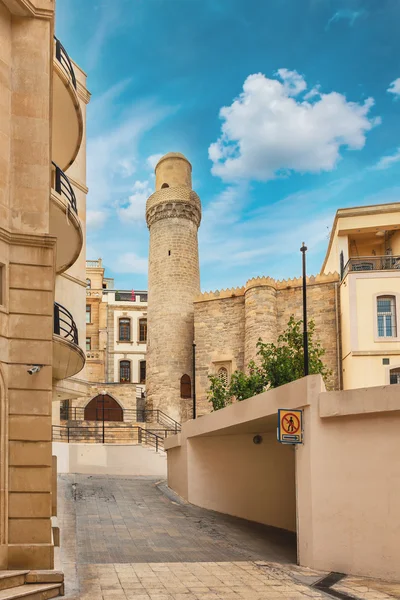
290	426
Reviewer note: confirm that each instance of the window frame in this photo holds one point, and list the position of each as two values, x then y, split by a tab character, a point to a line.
90	344
88	283
141	363
129	323
127	363
185	383
142	320
395	324
88	312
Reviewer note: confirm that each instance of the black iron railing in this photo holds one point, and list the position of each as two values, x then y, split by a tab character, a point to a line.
64	324
371	263
62	186
109	434
123	296
64	60
77	413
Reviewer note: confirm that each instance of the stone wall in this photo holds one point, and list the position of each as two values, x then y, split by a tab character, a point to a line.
229	323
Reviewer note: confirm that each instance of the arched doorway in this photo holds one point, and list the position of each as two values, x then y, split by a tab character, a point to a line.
112	410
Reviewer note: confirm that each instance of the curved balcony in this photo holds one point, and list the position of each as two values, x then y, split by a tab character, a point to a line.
67	115
68	357
64	222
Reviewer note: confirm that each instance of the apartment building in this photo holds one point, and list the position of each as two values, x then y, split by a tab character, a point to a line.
43	99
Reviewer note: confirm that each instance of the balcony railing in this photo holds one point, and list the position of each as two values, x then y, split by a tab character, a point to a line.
126	296
64	324
371	263
65	61
94	263
62	186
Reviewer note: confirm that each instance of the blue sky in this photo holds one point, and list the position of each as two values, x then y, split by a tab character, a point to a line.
287	109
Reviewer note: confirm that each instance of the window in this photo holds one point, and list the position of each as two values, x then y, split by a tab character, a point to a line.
395	376
142	374
88	343
142	330
186	387
223	375
386	306
88	283
125	371
88	313
124	330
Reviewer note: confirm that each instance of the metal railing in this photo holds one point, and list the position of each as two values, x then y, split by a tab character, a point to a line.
62	186
64	60
64	324
123	296
110	434
167	423
371	263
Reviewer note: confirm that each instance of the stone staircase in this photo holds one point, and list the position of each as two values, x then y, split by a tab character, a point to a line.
31	585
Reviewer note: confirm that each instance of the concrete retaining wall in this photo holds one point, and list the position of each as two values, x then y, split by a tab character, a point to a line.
109	459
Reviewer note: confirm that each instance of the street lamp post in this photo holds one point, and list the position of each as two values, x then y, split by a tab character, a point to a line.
194	380
303	250
103	393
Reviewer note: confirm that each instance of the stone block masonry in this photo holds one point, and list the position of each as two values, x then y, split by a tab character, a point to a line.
229	323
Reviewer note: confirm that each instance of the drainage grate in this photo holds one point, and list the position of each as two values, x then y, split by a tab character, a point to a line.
325	584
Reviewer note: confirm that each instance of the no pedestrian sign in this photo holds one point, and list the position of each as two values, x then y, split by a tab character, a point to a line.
290	426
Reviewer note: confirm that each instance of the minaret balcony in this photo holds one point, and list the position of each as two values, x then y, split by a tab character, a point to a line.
68	356
64	221
67	127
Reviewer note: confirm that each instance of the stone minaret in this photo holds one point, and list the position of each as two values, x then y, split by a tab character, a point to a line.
173	215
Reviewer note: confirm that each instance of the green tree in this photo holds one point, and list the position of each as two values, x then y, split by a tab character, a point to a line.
278	364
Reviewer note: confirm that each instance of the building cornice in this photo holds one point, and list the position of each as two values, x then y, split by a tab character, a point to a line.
74	279
81	186
83	93
27	239
43	9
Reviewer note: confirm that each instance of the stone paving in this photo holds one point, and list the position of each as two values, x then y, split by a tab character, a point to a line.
127	538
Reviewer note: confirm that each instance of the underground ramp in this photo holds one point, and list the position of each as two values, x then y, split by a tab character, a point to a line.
131	519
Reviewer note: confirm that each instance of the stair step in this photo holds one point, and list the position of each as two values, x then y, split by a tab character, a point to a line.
10	579
33	591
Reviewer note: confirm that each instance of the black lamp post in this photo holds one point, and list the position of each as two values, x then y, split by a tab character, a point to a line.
303	250
194	380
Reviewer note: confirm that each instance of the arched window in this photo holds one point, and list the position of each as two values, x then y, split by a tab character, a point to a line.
164	185
223	375
386	312
125	371
142	330
124	330
186	387
395	375
142	371
88	283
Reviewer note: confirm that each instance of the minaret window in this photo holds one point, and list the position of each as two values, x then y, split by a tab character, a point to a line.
186	387
164	185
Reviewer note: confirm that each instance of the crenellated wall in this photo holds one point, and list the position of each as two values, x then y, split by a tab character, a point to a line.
228	324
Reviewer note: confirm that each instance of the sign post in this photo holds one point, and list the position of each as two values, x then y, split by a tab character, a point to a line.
290	426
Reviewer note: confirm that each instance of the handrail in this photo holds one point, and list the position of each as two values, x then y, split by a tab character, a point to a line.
64	324
62	186
106	435
77	413
64	60
371	263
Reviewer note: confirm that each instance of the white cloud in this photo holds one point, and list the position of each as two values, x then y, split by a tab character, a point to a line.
345	14
131	263
153	160
394	87
95	219
267	132
135	208
387	161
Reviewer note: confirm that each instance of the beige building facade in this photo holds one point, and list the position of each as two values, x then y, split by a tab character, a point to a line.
43	97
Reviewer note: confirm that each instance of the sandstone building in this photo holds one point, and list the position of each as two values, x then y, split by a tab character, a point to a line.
354	301
43	100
